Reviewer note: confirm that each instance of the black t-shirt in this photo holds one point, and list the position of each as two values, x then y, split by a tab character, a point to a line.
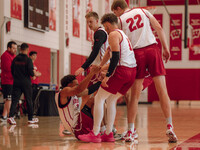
22	68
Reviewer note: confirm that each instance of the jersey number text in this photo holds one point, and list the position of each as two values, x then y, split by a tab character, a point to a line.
138	23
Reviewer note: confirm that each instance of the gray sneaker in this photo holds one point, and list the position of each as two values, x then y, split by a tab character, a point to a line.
3	119
66	132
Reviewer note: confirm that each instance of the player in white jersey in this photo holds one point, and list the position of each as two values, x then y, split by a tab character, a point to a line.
74	114
136	23
119	78
100	42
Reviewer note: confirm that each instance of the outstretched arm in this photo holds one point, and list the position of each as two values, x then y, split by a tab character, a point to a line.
71	91
106	56
90	90
100	38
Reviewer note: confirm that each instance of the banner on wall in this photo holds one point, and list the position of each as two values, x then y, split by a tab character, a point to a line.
52	15
89	32
76	18
175	36
107	6
194	53
16	9
171	2
159	18
127	1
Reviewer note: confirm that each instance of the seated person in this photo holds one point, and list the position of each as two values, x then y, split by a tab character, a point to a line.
75	114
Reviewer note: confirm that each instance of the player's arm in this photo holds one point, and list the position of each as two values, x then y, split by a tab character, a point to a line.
100	38
106	56
90	90
114	40
161	34
71	91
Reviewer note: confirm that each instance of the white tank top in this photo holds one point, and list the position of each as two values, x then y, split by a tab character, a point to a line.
70	114
127	56
136	25
102	50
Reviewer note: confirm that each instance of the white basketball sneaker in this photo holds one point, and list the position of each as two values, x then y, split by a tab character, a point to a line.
33	121
11	121
129	136
171	135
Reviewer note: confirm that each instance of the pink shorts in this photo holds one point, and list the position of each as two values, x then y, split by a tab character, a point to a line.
149	59
85	123
121	80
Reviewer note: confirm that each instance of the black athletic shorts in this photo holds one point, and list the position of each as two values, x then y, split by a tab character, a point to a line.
7	91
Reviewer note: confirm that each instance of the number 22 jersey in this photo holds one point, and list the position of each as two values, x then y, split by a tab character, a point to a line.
136	25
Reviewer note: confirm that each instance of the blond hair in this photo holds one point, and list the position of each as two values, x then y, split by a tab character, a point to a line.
92	14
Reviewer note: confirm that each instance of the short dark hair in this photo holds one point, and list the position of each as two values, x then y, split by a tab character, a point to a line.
24	46
109	17
92	14
9	45
67	79
32	53
119	3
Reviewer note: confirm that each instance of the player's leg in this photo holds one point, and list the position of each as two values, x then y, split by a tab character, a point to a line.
16	93
7	95
94	135
161	90
111	113
157	70
132	104
104	121
27	90
132	108
100	98
6	108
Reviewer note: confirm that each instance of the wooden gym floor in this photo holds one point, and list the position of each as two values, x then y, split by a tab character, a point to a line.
150	127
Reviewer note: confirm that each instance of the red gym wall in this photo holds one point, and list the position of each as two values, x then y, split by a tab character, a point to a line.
76	62
43	62
182	84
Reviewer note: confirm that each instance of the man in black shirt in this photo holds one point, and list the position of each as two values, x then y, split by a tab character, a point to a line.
22	70
100	42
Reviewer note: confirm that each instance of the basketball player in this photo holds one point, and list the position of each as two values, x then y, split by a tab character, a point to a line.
100	42
119	78
74	114
136	24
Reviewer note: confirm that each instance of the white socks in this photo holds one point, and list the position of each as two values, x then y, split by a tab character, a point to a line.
100	98
99	101
169	120
111	111
131	127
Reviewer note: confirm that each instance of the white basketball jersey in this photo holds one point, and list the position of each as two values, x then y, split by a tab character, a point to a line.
102	50
136	25
127	56
70	114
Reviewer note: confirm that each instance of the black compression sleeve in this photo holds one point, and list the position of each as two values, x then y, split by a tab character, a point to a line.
113	63
100	37
94	87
